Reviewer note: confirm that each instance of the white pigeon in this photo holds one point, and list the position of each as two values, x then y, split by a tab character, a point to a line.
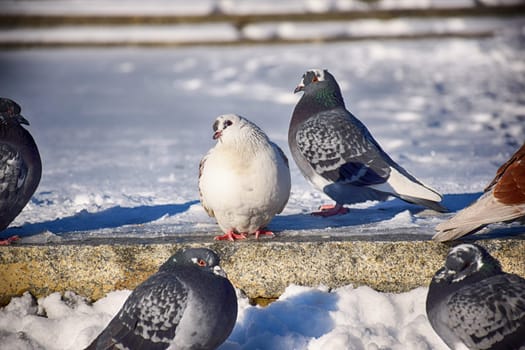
244	180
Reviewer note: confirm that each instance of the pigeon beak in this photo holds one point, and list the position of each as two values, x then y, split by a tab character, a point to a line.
219	271
217	134
298	88
22	120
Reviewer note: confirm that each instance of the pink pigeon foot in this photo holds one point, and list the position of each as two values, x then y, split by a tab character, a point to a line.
263	232
9	240
230	236
331	210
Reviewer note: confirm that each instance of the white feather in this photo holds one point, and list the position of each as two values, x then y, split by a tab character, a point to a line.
399	184
245	180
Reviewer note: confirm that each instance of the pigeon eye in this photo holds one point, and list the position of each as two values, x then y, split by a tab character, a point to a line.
227	123
315	79
201	262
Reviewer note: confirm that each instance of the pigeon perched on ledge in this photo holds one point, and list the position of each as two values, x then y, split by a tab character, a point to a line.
188	304
502	201
244	180
20	164
473	304
338	155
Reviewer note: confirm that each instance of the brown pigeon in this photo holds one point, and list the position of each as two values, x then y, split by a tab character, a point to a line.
502	201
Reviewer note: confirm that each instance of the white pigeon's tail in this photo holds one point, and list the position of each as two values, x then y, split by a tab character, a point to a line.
486	210
411	190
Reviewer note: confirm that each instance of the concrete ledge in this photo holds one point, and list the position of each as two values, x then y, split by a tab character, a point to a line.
261	268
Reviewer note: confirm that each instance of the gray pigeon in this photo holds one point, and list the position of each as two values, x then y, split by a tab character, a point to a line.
473	304
188	304
20	164
338	155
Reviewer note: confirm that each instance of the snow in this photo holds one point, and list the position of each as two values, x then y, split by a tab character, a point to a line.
302	318
121	132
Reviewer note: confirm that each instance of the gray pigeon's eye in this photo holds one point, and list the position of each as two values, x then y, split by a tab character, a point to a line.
201	263
315	78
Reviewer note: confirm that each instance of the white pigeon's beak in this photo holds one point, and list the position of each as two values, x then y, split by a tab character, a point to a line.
219	271
298	88
217	134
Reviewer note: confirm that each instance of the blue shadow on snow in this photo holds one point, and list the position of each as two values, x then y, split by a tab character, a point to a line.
109	218
304	315
382	211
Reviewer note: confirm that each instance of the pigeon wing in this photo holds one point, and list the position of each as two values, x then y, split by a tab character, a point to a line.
509	183
339	148
13	177
280	152
490	314
13	174
149	317
208	210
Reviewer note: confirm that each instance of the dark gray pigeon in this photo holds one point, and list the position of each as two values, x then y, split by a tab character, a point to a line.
188	304
20	164
473	304
338	155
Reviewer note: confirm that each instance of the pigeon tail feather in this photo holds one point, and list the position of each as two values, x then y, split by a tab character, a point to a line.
410	190
484	211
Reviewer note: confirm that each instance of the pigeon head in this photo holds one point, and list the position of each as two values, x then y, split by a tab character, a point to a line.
310	78
466	260
226	125
200	258
233	128
322	85
10	111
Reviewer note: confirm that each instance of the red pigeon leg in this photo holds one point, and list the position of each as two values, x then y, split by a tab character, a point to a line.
9	240
263	232
331	210
230	236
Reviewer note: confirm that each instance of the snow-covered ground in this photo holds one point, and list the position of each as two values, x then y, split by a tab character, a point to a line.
121	132
302	318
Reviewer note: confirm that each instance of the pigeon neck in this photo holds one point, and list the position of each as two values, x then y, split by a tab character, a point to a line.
320	100
329	98
246	146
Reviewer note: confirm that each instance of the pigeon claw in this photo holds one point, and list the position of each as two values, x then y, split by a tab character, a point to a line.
263	232
330	210
230	236
9	240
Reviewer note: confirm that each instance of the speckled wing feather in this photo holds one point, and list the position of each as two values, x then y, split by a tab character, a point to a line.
341	149
13	173
490	314
149	316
